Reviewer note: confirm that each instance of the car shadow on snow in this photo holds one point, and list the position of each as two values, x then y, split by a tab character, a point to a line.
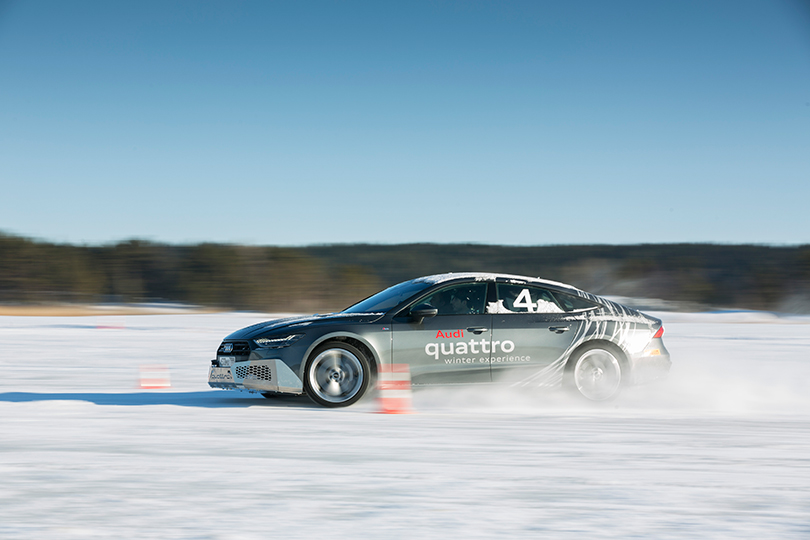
205	399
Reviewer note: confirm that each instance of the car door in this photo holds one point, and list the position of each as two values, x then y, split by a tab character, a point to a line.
452	347
530	330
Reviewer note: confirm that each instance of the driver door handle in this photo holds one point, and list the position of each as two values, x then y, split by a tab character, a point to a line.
477	329
558	329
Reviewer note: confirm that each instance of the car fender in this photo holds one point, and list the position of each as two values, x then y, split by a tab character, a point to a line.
622	356
341	336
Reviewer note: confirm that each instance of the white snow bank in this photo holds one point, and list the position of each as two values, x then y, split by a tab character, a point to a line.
717	451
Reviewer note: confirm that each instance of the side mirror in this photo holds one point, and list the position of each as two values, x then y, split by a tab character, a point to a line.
423	311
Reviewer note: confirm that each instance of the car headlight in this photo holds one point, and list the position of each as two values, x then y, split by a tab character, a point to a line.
277	342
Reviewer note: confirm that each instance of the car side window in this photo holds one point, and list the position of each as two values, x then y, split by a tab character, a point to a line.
573	303
464	299
514	298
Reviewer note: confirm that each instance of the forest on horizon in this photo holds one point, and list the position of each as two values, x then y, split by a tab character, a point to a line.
330	277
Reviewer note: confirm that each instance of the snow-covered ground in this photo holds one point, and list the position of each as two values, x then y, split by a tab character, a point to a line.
720	450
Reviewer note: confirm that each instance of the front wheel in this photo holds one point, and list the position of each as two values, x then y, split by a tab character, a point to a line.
337	375
596	373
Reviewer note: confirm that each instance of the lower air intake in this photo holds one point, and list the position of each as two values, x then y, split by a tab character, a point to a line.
261	373
256	373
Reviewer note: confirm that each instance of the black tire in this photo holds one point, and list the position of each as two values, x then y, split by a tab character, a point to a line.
337	374
596	372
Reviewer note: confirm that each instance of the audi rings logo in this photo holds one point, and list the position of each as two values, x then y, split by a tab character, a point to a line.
228	347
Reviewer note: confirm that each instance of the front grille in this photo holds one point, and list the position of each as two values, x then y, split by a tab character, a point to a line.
241	372
240	348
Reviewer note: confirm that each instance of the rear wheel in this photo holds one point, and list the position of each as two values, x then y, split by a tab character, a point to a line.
337	375
596	373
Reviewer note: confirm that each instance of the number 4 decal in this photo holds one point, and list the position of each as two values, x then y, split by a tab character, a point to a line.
524	300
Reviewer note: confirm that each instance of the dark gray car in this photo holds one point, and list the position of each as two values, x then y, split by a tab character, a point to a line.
470	328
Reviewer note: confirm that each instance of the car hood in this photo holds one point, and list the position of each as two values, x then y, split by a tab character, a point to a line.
294	324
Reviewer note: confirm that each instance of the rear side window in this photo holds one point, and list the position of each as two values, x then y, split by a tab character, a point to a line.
573	303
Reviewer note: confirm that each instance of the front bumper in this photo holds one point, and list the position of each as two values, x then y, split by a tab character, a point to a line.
265	375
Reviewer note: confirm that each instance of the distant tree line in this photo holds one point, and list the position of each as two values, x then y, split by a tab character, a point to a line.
330	277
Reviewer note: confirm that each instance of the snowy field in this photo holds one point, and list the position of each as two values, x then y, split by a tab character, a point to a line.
720	450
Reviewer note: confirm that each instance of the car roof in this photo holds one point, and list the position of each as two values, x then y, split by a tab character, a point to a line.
486	276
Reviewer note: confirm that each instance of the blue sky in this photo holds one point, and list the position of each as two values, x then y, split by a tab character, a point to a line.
294	123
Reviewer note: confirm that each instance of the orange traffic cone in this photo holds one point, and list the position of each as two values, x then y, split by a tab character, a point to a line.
155	377
394	389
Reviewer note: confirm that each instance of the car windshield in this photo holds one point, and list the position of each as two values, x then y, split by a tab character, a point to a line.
390	297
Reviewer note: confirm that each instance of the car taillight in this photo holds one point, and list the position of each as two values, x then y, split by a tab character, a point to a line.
659	333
